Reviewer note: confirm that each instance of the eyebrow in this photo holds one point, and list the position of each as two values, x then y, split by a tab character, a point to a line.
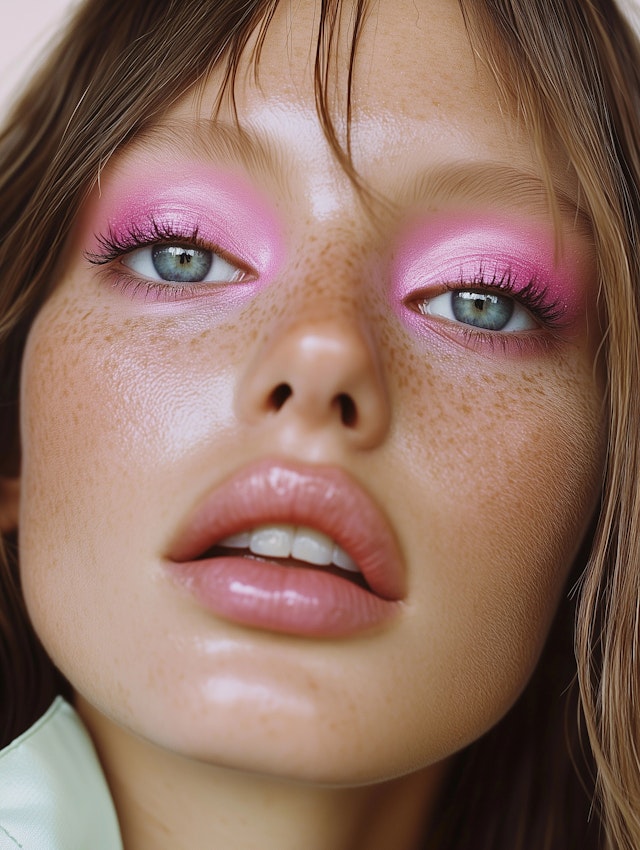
218	140
497	184
484	182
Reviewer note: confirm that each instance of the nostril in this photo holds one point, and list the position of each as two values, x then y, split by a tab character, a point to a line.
279	395
348	412
341	402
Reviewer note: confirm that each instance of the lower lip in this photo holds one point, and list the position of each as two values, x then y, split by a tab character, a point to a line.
286	599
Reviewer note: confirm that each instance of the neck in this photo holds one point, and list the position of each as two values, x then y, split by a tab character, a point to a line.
166	801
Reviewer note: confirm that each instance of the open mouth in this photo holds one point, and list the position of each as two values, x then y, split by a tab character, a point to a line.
291	549
292	546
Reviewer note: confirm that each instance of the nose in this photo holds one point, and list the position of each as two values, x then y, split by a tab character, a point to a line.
319	375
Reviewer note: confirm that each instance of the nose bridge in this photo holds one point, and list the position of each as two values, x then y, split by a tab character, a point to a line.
318	366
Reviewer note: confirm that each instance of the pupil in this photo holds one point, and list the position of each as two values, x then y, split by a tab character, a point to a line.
486	310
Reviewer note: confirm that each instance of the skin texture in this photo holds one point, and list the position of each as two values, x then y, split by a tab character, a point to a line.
484	453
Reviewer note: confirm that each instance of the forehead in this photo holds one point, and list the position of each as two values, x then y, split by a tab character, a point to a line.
423	41
423	103
413	63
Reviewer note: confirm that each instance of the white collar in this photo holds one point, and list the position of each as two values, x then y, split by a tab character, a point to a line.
53	794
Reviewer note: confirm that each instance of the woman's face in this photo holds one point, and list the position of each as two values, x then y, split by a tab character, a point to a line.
238	340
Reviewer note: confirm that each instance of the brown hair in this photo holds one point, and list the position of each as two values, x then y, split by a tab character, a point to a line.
572	69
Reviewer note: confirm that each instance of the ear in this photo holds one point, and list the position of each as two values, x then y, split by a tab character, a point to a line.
9	502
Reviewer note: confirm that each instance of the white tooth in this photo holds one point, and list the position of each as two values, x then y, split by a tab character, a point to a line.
312	546
274	541
236	541
342	560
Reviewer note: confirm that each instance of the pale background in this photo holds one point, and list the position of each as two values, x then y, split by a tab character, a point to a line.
26	26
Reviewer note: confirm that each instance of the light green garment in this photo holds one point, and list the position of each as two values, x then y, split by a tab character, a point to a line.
53	794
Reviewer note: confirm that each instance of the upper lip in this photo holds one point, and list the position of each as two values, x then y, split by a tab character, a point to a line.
322	497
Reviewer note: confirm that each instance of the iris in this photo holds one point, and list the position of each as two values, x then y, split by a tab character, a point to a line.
487	310
181	264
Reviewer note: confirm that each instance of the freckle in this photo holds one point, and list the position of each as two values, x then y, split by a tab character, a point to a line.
253	335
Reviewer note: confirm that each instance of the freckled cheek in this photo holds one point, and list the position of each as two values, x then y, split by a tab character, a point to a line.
135	380
111	413
503	466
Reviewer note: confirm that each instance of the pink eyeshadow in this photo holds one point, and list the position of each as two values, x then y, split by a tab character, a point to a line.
225	210
453	248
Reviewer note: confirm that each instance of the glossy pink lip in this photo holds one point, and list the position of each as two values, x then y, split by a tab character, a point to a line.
273	596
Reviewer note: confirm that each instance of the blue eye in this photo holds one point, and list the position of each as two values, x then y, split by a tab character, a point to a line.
485	310
182	264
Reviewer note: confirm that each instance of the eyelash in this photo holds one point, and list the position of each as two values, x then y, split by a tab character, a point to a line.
532	297
113	247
